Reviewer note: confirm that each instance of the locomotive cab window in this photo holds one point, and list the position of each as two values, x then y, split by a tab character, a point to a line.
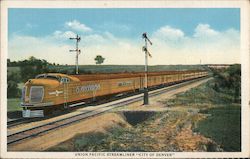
44	76
65	80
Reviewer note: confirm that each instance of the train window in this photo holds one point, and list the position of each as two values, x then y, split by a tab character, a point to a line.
44	76
65	80
40	76
52	77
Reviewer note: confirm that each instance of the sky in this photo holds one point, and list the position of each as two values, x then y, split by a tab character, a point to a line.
179	35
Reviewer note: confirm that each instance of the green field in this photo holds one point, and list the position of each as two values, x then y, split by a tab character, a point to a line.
13	104
122	68
223	126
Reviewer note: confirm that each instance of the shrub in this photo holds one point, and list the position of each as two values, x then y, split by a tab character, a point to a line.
13	78
229	81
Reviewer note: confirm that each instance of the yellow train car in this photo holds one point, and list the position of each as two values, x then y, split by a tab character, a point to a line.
54	90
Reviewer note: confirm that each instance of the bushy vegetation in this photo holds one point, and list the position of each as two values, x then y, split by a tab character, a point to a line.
21	71
223	89
99	59
229	81
13	78
30	68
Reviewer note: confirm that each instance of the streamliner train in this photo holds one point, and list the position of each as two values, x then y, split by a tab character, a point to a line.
54	90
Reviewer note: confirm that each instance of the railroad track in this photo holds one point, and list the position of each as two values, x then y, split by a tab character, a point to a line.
35	131
15	122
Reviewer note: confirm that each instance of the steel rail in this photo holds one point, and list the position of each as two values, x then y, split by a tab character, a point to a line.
16	122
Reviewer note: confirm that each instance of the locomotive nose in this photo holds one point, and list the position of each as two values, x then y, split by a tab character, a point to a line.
33	91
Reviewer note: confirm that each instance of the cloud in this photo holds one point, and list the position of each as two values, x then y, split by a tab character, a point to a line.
77	26
170	46
168	33
93	39
115	50
63	35
204	30
22	46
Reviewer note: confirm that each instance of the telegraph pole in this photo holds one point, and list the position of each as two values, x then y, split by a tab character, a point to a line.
145	49
77	50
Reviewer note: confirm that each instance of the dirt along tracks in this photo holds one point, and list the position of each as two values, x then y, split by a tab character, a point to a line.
99	123
156	102
169	131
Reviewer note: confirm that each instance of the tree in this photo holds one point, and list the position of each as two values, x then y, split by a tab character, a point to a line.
234	80
229	81
32	67
99	59
8	62
13	79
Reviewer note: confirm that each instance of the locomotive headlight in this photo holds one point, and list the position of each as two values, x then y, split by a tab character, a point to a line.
36	94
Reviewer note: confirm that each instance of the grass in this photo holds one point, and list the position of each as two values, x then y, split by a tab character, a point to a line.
223	126
13	104
201	96
86	142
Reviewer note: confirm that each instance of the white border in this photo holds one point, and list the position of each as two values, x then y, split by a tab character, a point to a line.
242	4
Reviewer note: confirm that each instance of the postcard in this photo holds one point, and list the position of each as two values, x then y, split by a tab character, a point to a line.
125	79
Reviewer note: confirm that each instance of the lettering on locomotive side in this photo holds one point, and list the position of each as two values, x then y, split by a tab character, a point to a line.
124	83
88	88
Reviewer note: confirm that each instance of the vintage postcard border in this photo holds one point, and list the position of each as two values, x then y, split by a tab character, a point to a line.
244	7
